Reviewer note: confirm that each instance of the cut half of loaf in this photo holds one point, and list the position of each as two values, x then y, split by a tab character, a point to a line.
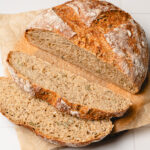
43	119
96	36
65	90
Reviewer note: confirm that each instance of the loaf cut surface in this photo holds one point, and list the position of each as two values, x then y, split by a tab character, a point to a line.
45	120
96	36
76	95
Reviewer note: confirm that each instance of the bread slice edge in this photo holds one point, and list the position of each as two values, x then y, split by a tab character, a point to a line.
52	139
59	102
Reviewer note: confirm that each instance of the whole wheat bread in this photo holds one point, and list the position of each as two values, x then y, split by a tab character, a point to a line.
65	90
43	119
96	36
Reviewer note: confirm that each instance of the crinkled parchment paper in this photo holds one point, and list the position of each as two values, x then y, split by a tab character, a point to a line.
11	28
11	38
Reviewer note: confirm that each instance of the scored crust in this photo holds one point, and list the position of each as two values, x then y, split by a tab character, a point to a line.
102	29
54	140
59	102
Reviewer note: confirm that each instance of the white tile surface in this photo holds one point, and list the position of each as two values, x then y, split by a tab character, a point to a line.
144	20
4	122
142	138
15	6
8	139
136	6
133	140
115	2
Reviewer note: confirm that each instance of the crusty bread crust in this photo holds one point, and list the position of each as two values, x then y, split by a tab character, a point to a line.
52	139
59	102
55	140
121	43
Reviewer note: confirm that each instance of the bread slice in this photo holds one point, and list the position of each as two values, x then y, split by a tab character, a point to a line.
43	119
65	90
96	36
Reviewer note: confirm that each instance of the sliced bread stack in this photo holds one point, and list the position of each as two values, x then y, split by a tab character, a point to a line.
65	90
47	93
43	119
59	105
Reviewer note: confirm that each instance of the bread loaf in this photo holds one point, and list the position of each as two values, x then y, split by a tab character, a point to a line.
96	36
66	91
40	117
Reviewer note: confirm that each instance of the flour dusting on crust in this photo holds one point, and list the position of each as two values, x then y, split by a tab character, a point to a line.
23	83
49	20
74	113
61	105
89	10
119	40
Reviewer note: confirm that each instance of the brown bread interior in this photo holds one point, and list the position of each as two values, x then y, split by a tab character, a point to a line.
74	88
45	120
64	49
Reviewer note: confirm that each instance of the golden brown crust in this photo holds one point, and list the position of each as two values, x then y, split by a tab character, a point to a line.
59	102
107	32
54	140
76	110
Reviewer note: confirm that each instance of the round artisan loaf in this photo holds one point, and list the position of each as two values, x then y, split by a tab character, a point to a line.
96	36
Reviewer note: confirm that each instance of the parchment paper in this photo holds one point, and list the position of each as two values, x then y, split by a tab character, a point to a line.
11	38
11	28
